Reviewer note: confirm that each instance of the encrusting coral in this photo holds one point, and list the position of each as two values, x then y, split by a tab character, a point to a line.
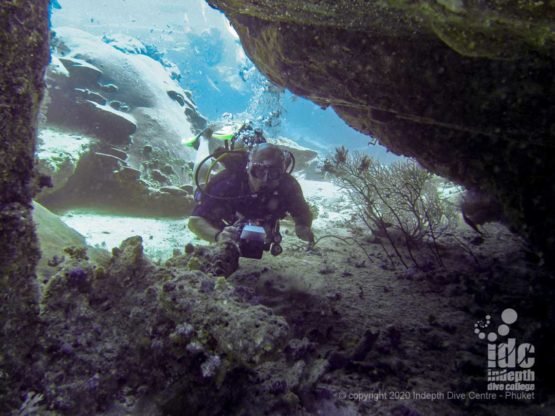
142	329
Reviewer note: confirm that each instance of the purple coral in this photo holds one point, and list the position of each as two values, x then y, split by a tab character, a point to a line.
78	278
184	330
210	366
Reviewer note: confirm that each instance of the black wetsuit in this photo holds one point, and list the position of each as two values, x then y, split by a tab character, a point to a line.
264	207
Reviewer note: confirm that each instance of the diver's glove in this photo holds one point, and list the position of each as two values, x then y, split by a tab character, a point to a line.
304	233
229	233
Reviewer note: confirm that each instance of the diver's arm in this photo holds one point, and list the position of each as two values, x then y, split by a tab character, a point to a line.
203	229
300	211
296	204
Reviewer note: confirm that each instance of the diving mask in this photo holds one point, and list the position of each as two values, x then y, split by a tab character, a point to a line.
267	172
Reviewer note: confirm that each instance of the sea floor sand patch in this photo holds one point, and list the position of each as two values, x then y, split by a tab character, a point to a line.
161	236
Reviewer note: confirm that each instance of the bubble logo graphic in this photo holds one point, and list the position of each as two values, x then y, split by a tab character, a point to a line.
509	364
508	316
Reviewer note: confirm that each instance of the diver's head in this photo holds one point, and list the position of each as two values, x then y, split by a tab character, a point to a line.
266	166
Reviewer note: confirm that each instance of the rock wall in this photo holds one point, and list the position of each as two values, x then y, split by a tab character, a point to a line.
24	55
465	88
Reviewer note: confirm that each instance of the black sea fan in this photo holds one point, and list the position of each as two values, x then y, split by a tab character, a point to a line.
340	156
364	164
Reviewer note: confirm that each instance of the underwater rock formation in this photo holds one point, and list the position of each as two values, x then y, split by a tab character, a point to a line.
24	55
90	92
306	160
478	209
120	113
137	329
303	155
217	260
465	88
104	180
57	156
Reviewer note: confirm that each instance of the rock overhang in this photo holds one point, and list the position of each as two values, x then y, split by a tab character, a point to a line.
465	88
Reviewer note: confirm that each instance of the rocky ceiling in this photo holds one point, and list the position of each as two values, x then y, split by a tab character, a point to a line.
464	86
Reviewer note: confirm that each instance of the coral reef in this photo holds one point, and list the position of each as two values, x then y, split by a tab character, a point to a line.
137	329
133	337
219	260
58	154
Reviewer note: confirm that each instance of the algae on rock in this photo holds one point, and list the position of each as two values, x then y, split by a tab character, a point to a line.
24	55
180	325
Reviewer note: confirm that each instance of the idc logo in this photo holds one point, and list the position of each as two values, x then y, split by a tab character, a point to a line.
509	365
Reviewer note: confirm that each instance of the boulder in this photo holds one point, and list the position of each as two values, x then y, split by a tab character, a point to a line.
89	91
123	102
58	154
106	182
303	156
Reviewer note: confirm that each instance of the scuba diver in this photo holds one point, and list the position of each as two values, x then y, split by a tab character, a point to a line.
244	202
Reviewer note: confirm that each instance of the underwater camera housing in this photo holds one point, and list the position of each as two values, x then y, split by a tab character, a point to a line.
253	242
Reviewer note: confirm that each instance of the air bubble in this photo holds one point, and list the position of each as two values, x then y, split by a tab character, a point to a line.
503	330
509	316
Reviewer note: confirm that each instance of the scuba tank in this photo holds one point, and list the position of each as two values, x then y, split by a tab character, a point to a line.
205	145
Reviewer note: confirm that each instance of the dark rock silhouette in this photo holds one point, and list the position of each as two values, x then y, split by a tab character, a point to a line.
24	56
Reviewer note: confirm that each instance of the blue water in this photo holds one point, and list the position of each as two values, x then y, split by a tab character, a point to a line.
212	65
